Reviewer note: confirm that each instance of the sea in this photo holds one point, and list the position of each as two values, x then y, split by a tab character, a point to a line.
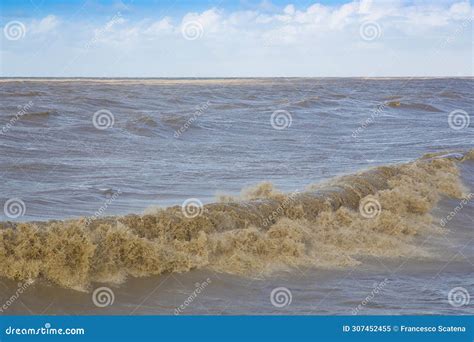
274	196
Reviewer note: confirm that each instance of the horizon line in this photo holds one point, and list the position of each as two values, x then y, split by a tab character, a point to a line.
213	77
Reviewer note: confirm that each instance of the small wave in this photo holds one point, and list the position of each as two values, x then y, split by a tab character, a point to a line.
144	120
226	106
415	106
311	102
25	94
336	96
378	213
304	103
392	97
38	115
142	124
178	122
174	120
31	167
103	102
450	95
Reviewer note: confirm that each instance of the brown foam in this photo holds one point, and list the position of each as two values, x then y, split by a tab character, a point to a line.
254	234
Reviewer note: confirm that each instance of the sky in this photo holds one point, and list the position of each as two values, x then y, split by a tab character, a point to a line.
173	38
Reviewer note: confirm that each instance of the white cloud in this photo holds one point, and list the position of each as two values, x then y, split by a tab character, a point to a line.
460	10
164	25
211	19
318	40
364	6
290	10
44	25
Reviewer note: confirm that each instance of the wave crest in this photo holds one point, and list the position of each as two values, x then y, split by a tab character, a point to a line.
260	232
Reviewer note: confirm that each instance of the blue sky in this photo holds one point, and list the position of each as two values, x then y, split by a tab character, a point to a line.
172	38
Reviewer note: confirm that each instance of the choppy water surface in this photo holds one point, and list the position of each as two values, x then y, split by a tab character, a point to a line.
76	148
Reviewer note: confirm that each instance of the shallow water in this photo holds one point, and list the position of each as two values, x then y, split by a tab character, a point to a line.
61	166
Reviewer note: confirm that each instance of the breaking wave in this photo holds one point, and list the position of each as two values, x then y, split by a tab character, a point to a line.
415	106
327	225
